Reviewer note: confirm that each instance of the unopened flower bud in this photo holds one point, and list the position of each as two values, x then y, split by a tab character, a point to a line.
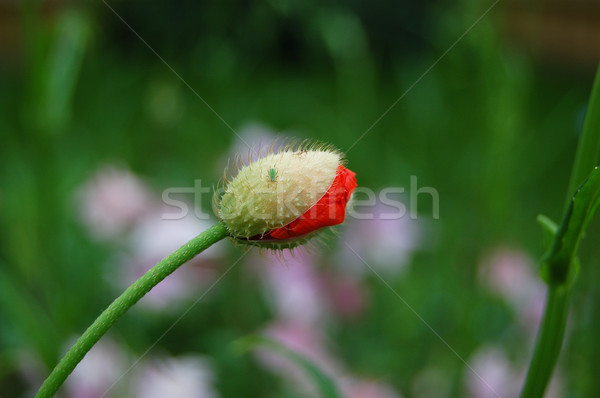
285	198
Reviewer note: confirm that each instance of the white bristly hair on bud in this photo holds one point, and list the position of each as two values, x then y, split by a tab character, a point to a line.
272	191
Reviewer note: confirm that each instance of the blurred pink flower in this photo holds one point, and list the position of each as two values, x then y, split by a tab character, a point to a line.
99	369
293	286
310	343
300	292
112	200
493	375
347	296
183	377
510	274
304	340
386	242
152	239
357	388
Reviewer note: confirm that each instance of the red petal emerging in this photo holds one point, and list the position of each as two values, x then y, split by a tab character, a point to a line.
329	210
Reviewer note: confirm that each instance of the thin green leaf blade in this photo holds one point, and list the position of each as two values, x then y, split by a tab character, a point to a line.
557	263
549	229
324	383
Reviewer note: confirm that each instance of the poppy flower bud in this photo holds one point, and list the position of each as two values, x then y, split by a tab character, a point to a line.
285	198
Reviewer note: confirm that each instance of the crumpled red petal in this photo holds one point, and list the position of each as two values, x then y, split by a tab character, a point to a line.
329	210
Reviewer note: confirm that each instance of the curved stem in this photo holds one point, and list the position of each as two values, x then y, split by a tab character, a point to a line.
125	301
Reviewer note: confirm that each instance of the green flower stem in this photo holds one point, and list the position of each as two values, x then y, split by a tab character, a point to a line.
548	343
125	301
552	329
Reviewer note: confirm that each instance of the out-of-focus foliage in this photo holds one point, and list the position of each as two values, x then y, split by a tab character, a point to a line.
97	121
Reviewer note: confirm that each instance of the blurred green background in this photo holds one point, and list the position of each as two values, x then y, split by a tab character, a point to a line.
492	126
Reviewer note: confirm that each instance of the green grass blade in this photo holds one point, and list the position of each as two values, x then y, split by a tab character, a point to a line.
584	203
324	383
61	70
589	146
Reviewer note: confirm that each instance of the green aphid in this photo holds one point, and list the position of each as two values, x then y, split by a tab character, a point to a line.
272	174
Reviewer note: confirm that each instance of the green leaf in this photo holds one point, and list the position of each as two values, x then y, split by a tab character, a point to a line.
588	150
558	265
26	318
61	70
549	229
324	383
